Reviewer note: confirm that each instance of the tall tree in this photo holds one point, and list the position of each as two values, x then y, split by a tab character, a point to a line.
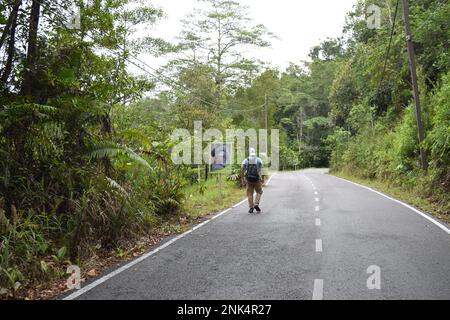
216	36
10	28
32	47
10	21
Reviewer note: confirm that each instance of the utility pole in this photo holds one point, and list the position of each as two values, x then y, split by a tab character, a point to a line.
412	65
266	111
300	131
266	105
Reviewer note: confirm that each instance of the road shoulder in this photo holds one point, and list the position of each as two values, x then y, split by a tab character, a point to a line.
421	204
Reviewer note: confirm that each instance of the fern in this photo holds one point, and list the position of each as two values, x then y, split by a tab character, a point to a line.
132	134
16	111
115	185
113	151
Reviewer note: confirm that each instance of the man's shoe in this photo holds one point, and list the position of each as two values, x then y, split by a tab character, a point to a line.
257	209
251	210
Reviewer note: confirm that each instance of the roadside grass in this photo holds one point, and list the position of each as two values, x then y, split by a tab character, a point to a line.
409	196
204	199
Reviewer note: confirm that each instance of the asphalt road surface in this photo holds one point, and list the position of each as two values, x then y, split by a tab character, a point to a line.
318	237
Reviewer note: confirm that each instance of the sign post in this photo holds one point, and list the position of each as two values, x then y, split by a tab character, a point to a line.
220	187
220	161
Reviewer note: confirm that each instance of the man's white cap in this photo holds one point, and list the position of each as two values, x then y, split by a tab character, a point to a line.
252	152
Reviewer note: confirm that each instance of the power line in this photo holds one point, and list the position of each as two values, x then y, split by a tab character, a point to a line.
158	75
389	46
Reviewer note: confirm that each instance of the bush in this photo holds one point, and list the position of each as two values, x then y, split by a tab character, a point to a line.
81	191
438	140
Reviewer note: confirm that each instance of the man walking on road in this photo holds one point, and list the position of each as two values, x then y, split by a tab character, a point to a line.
252	167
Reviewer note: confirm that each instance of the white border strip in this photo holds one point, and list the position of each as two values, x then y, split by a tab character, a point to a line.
437	223
145	256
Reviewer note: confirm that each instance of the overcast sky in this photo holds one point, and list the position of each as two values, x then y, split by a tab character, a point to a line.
299	24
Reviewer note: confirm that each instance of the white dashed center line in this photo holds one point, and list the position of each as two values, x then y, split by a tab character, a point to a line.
318	283
318	289
318	245
317	222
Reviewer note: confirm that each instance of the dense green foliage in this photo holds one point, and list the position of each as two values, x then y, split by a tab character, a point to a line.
72	181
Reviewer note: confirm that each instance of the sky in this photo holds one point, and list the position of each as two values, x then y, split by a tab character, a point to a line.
298	24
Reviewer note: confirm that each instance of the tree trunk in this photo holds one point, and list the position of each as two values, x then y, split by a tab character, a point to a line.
9	23
108	130
32	48
11	43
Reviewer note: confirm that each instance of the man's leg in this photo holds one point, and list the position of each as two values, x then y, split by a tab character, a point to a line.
259	192
250	190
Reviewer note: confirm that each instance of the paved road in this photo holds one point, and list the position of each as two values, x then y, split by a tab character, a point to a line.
288	253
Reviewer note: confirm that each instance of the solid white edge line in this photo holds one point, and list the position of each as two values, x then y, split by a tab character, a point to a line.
99	281
318	289
437	223
270	179
238	204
